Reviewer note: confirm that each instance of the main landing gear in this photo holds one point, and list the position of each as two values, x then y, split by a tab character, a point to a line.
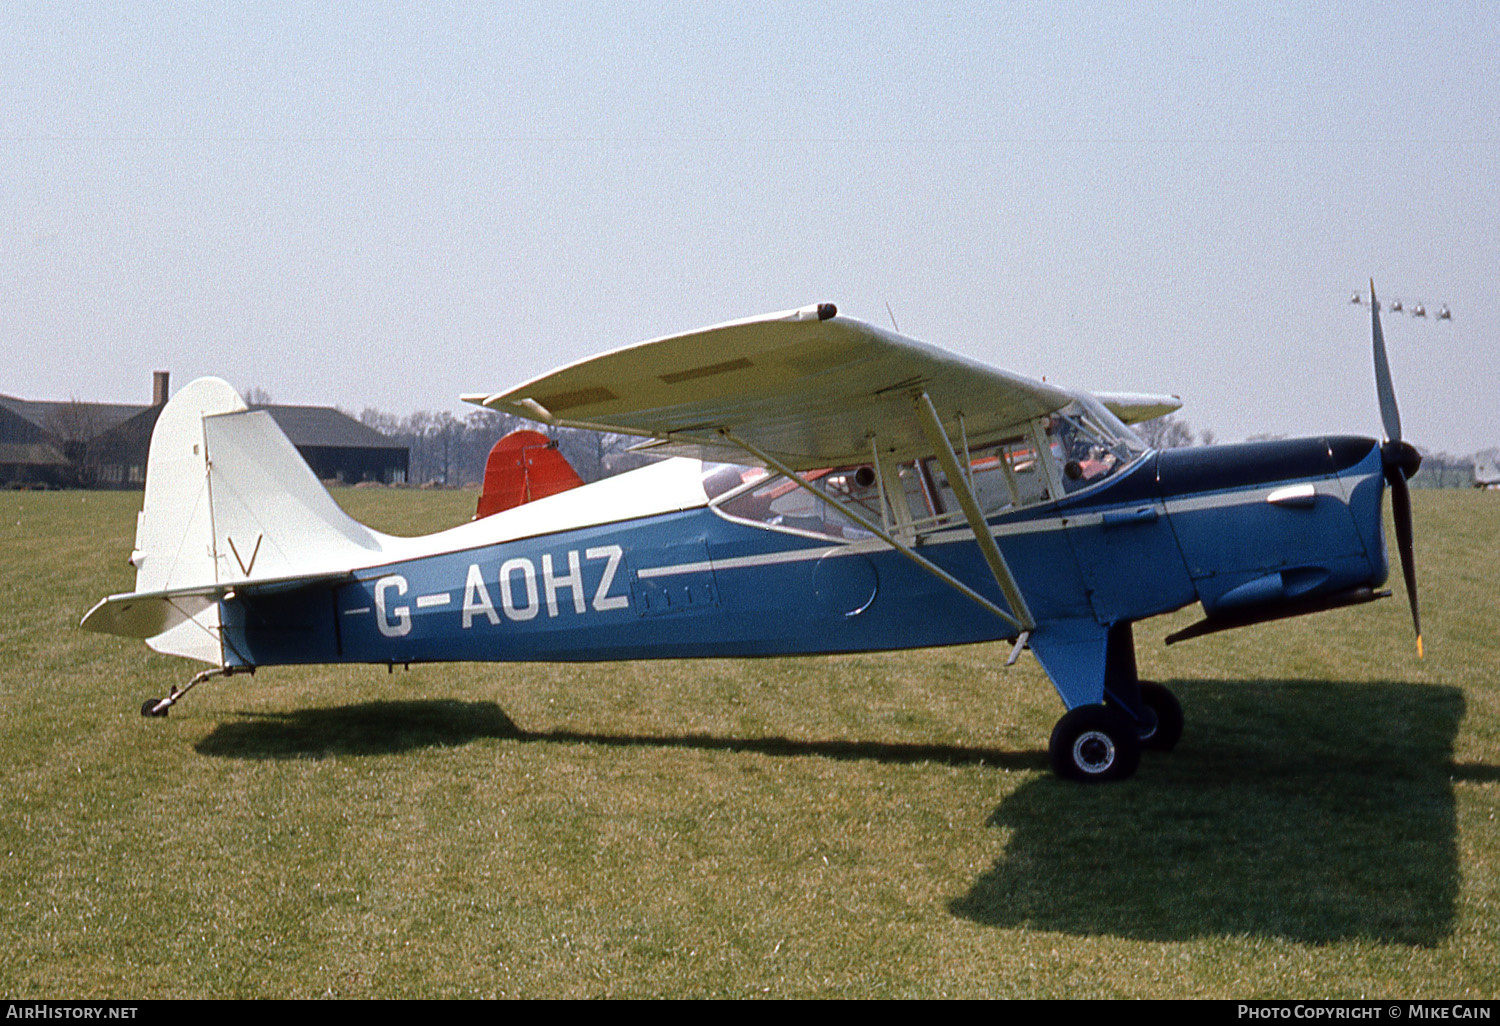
1104	742
1167	731
1097	743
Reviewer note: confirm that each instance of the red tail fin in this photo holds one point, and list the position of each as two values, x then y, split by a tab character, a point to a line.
522	467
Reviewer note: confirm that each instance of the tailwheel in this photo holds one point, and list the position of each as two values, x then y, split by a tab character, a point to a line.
1095	743
160	706
1167	731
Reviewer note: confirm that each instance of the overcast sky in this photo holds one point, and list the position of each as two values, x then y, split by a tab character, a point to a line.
387	205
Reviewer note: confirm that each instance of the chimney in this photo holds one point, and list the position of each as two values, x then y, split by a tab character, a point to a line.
159	387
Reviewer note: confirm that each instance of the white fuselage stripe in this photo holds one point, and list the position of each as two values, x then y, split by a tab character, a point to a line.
1332	487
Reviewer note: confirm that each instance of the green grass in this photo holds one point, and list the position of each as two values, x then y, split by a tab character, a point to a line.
874	825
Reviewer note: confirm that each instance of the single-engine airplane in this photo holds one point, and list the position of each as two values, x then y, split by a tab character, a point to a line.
833	487
1487	469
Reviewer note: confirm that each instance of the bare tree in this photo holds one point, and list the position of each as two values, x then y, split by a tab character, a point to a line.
446	450
385	423
447	431
76	424
1169	432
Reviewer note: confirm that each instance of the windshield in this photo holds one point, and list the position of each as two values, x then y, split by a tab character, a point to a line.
1089	443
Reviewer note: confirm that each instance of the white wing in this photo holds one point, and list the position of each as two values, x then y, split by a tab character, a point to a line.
806	386
1134	407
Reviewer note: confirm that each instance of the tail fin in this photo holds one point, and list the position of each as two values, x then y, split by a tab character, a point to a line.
522	467
174	533
229	500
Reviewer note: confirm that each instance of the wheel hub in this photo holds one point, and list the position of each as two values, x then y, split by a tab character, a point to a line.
1094	751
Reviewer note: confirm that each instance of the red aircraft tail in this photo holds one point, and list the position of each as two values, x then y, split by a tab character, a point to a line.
522	467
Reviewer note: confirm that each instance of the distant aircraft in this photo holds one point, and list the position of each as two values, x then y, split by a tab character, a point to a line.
1397	306
1487	469
835	487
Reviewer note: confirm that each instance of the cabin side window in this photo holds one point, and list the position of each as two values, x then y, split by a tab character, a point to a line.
775	501
1003	475
1076	447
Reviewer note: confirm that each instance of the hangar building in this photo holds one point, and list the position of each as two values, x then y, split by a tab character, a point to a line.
73	444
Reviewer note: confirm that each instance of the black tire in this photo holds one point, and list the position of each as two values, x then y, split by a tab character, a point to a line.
149	708
1094	744
1168	730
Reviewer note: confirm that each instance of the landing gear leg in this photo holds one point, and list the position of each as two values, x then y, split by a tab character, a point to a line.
160	706
1104	741
1155	710
1162	737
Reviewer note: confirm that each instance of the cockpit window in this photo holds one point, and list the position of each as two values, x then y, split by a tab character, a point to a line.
775	501
1076	447
721	478
1003	475
1089	443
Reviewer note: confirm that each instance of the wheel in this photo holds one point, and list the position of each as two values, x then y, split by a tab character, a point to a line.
1095	743
149	709
1168	730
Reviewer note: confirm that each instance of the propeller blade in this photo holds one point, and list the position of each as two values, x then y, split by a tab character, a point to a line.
1401	513
1400	461
1390	417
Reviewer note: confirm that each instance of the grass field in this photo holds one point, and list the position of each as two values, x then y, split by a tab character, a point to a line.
862	826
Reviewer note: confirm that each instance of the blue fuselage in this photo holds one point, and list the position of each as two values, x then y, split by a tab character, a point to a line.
1235	528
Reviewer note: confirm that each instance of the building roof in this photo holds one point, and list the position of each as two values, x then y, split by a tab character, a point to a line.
72	415
303	425
324	425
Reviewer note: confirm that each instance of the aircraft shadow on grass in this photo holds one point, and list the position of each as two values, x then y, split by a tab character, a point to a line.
1305	810
377	728
1302	810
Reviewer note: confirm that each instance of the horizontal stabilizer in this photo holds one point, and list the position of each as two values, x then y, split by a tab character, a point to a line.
146	614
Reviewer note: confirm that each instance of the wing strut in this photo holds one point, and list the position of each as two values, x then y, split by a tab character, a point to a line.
963	487
881	533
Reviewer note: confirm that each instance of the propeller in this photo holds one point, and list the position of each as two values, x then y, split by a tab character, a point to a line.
1400	461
